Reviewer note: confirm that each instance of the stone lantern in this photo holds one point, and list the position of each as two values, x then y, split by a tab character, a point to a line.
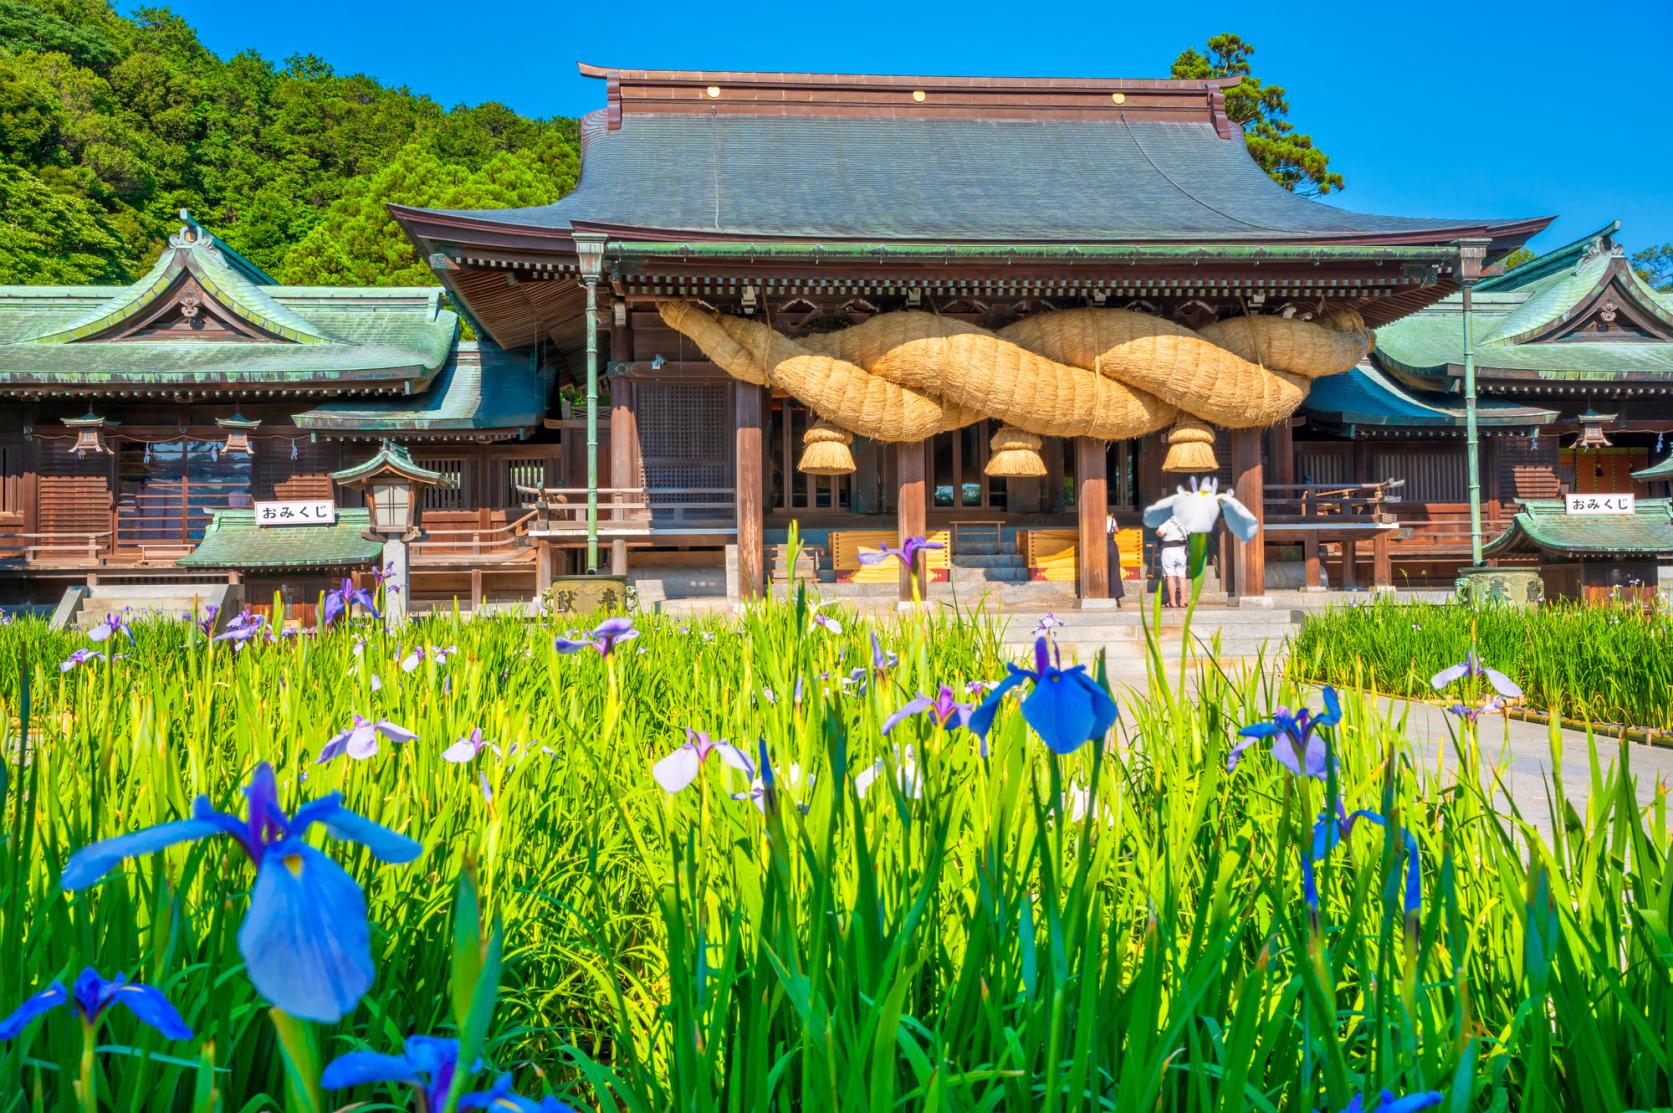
394	487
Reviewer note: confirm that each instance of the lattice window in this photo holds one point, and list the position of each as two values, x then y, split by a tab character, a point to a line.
1323	463
1430	475
521	471
277	476
685	438
452	496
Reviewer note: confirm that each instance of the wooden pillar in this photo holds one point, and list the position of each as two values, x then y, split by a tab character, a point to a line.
476	590
1310	560
618	556
912	508
1281	452
1092	506
545	558
1382	568
1350	558
748	406
1249	557
1152	480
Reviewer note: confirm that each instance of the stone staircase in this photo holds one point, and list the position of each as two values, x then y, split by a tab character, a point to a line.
984	558
1245	635
83	608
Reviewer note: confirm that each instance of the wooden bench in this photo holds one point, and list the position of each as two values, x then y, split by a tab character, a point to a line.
1054	554
848	544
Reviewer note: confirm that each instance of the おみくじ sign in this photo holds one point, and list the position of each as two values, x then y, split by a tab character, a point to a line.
306	512
1599	504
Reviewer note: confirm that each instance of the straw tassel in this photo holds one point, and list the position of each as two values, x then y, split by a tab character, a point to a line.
825	450
1190	447
1016	454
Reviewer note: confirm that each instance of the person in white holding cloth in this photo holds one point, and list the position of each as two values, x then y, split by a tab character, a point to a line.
1171	536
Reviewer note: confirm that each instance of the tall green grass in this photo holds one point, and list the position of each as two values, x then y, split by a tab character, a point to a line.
1601	664
1120	928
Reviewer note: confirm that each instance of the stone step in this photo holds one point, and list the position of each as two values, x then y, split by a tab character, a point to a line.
993	575
987	560
981	548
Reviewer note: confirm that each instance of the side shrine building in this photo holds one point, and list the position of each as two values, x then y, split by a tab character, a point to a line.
996	311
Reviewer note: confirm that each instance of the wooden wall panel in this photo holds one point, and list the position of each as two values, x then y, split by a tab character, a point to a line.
1528	469
74	491
308	476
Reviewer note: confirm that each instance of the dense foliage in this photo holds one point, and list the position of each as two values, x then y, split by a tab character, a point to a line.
1262	111
1598	664
1123	926
109	125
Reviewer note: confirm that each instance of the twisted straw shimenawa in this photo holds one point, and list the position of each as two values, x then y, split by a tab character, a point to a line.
1105	373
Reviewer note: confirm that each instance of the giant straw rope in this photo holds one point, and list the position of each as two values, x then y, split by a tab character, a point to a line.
1105	373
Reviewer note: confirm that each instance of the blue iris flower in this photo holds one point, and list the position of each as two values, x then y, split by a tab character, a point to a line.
429	1065
305	940
1066	707
1388	1103
92	998
1296	743
1332	829
340	601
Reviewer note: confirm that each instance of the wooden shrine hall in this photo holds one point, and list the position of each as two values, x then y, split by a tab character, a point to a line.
971	308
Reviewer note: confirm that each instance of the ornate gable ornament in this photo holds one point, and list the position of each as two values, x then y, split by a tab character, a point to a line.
197	290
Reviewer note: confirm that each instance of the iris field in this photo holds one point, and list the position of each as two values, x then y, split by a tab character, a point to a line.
1611	664
1004	902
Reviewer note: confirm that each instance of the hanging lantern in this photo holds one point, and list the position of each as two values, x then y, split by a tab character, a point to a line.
1591	429
238	429
89	430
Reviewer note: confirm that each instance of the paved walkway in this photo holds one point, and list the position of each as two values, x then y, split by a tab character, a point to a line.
1525	748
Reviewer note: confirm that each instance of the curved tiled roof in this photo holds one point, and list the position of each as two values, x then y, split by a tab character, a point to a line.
1111	179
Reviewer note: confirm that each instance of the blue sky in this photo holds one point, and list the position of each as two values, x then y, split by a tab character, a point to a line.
1461	109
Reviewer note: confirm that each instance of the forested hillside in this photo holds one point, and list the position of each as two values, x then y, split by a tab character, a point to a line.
109	125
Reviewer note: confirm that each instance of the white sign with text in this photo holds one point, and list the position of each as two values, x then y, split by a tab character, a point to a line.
304	512
1600	504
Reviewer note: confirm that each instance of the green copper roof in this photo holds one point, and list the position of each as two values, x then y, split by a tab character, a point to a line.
1525	322
1543	526
392	457
1365	396
58	339
1654	472
233	540
1000	252
483	388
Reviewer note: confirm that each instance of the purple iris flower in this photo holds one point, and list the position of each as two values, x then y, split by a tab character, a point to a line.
1066	707
943	710
1388	1103
207	622
437	654
429	1066
681	767
1334	827
243	629
360	741
1472	714
92	998
1471	666
1296	744
466	748
604	638
341	599
112	625
907	554
305	940
824	622
767	787
79	657
383	576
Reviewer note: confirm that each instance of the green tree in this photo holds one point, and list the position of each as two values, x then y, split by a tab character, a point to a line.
1262	111
1518	257
109	124
1655	266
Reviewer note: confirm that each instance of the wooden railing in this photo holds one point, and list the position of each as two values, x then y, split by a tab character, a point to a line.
485	544
1306	502
46	548
562	511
